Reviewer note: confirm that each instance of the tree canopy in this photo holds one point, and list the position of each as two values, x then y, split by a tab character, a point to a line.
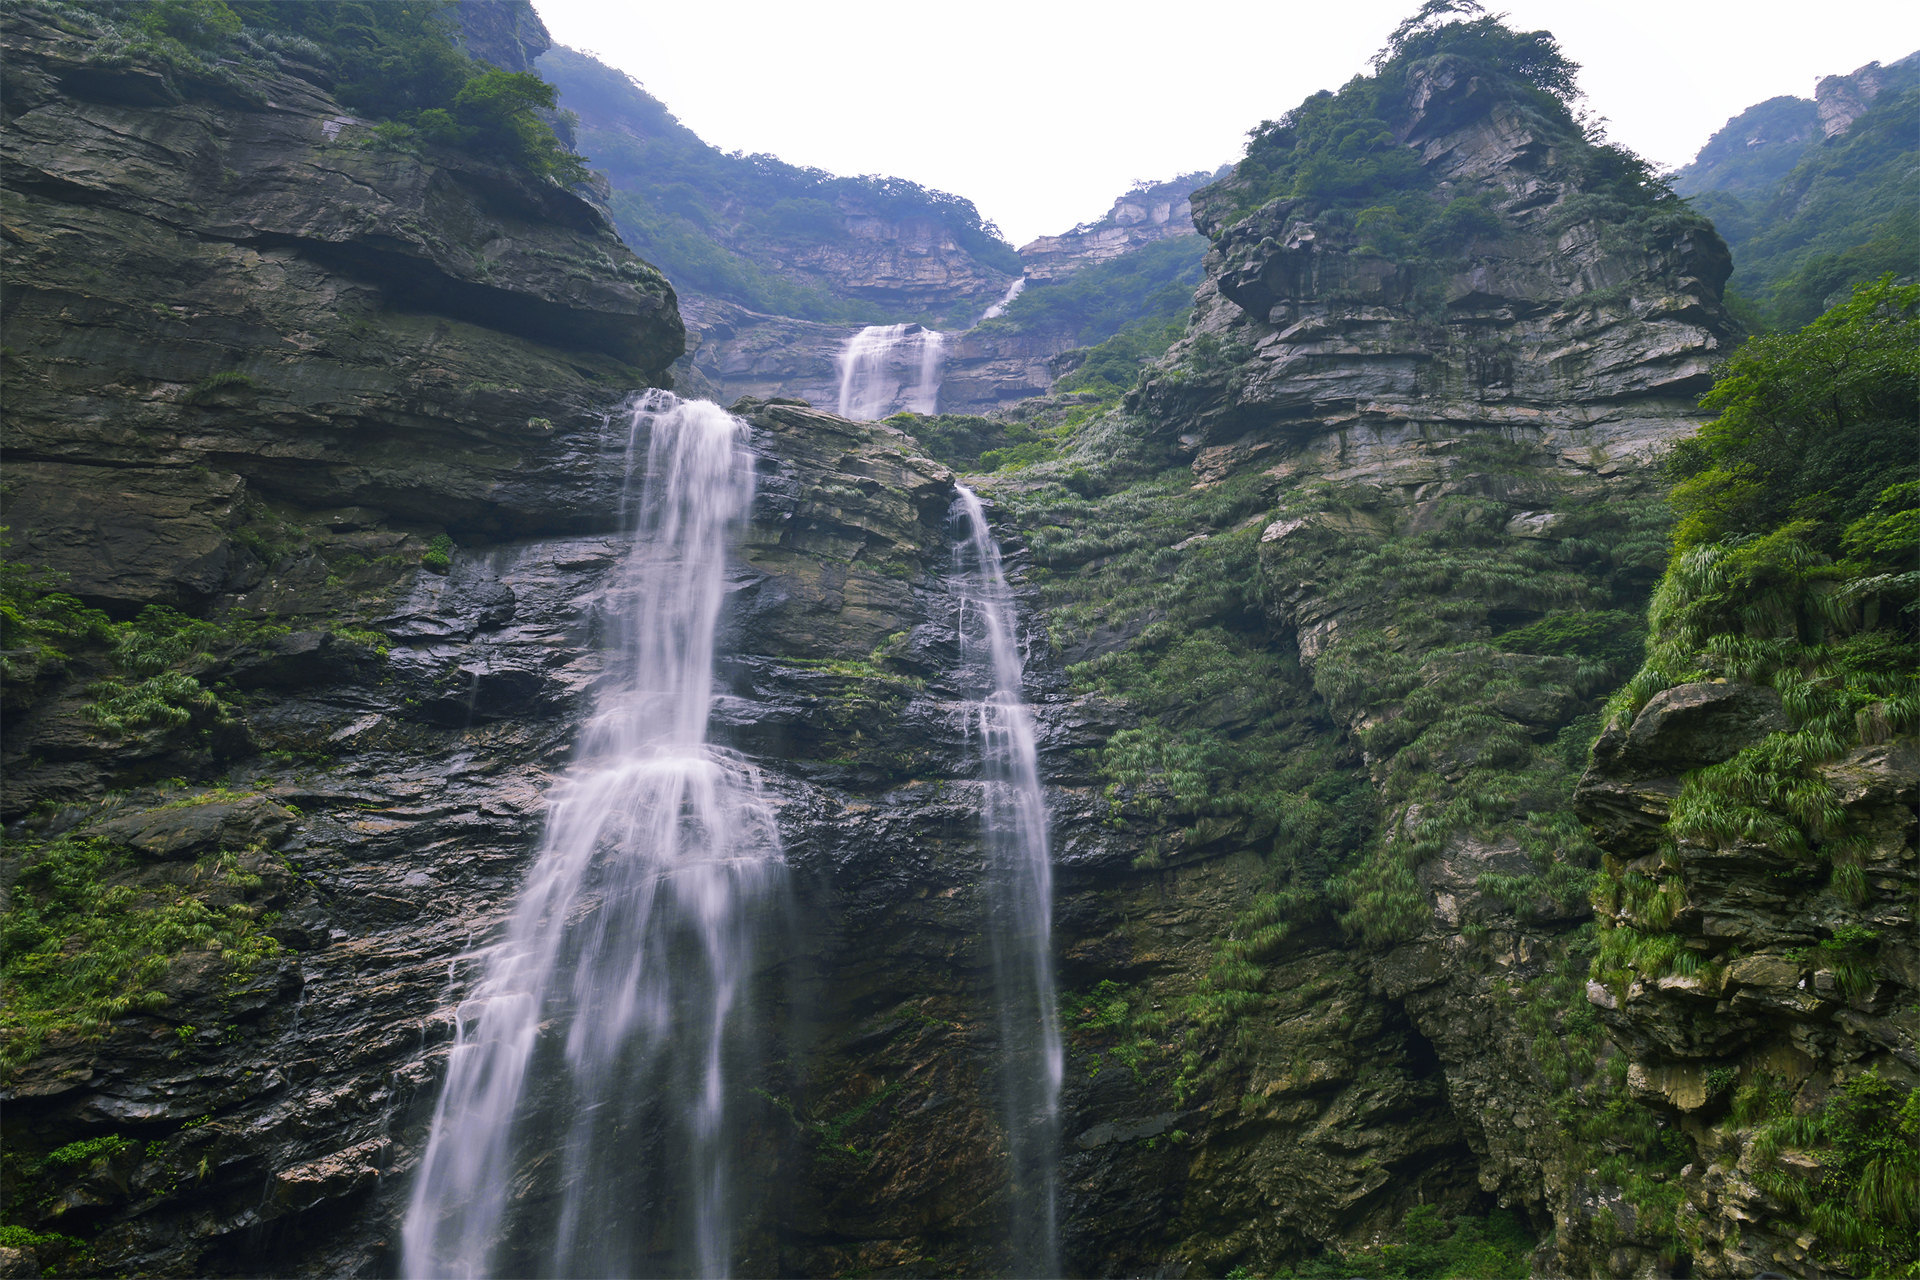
1815	425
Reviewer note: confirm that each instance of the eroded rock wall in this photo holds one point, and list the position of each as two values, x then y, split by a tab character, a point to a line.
218	300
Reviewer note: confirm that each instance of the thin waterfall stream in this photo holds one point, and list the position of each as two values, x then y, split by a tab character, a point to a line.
595	1050
1019	888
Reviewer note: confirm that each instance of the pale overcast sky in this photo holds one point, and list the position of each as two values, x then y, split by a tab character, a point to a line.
1042	112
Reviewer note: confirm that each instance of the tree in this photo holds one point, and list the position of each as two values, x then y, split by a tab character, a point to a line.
1813	425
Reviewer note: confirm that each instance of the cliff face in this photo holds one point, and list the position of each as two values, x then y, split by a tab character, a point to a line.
1795	986
1148	213
217	302
256	359
1318	624
1413	520
1553	319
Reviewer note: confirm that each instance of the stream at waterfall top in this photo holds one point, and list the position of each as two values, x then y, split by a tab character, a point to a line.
887	368
999	308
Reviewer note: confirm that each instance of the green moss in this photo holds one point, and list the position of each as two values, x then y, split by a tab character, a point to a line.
1424	1245
86	939
85	1152
225	380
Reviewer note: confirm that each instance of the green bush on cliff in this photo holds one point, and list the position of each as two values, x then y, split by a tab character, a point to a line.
1339	156
1428	1246
1797	557
1795	568
494	114
40	625
1810	426
1861	1188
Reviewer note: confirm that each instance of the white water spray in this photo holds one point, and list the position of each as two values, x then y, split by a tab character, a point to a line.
886	368
1020	888
999	308
583	1126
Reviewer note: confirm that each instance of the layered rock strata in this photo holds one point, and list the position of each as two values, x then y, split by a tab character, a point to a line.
1795	985
220	299
1153	211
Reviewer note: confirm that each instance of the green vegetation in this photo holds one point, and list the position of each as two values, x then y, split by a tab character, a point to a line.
1813	426
400	63
1857	1182
1809	218
40	627
732	225
1428	1247
59	1254
438	557
225	380
1337	156
1127	310
90	935
1464	667
1795	568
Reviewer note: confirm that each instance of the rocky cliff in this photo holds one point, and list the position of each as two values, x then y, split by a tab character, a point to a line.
1348	574
1320	622
1149	212
223	300
1793	992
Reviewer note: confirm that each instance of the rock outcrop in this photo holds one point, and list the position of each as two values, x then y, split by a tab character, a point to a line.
1840	100
1550	321
1149	212
1794	985
219	300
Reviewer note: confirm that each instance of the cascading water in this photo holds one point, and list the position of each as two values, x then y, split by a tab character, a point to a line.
999	308
583	1126
885	368
1020	887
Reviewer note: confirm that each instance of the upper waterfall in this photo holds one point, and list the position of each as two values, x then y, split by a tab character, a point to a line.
886	368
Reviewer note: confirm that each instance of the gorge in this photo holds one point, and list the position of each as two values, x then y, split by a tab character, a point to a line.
1324	776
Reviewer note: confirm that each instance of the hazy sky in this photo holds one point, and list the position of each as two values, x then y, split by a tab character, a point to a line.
1042	112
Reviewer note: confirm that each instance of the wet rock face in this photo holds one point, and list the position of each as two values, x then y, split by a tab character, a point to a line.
222	300
390	805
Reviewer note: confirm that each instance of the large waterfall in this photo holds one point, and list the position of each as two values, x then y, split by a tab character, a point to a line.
886	368
1020	888
583	1128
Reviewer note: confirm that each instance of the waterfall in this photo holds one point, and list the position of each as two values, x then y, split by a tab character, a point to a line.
999	308
1020	888
886	368
583	1127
